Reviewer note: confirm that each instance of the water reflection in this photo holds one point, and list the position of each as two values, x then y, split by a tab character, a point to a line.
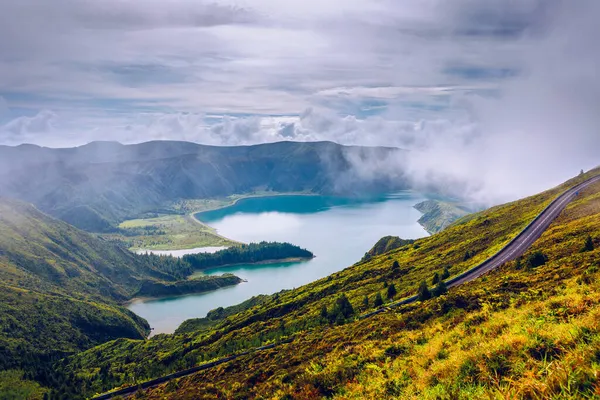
338	231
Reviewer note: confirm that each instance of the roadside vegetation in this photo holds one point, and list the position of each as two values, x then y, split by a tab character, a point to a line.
527	330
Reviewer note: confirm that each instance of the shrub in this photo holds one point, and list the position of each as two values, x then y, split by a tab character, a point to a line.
536	259
446	273
440	289
588	245
378	300
468	255
391	291
424	293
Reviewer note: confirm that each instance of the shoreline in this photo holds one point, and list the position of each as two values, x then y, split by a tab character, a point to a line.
144	299
234	202
191	216
288	260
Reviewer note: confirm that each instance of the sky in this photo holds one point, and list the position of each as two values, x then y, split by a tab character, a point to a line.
496	97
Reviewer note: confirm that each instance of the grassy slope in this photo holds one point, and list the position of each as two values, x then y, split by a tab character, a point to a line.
179	229
343	360
61	289
169	232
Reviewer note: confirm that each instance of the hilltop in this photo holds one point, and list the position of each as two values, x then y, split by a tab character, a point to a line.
99	185
528	329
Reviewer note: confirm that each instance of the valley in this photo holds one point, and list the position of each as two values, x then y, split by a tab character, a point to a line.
534	316
337	230
78	307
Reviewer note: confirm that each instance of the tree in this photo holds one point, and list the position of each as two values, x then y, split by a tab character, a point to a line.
385	284
366	302
343	306
324	313
589	245
468	255
446	273
424	293
395	266
519	263
435	279
536	259
378	300
440	289
391	291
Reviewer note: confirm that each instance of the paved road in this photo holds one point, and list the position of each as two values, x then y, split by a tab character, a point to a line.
526	238
512	250
515	248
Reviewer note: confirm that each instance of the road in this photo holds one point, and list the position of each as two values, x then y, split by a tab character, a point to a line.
515	248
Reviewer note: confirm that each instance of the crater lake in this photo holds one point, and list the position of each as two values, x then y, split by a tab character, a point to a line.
337	230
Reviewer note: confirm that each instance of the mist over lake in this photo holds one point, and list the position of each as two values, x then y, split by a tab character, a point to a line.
337	230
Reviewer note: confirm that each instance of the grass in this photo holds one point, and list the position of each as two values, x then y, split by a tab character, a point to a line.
179	229
515	333
170	232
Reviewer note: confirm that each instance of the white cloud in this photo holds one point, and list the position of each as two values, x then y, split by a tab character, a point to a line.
38	124
495	99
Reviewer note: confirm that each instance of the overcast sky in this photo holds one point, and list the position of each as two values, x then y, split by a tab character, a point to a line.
466	77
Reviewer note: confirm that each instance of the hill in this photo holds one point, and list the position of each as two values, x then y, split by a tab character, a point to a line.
527	330
385	244
96	186
62	290
438	215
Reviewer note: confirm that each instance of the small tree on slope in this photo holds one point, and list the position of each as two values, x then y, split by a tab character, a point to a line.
589	245
424	293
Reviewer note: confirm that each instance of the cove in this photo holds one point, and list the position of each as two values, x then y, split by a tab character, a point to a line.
337	230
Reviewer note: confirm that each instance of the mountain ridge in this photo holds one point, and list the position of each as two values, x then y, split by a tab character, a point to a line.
98	185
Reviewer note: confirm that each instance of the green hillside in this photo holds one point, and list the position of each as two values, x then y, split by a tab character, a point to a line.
62	290
527	330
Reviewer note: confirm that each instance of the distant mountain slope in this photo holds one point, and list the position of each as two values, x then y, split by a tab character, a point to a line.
96	185
527	330
438	215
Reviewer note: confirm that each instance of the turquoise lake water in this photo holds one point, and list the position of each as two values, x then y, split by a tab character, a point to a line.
337	230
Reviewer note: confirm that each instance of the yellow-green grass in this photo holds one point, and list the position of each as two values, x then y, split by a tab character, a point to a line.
170	232
516	333
478	341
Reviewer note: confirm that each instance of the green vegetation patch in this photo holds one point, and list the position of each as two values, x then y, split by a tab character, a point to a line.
253	253
476	341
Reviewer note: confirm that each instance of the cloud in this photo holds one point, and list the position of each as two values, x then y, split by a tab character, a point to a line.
494	99
262	57
3	107
42	123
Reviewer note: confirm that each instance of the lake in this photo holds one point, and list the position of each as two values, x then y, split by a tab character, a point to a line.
337	230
